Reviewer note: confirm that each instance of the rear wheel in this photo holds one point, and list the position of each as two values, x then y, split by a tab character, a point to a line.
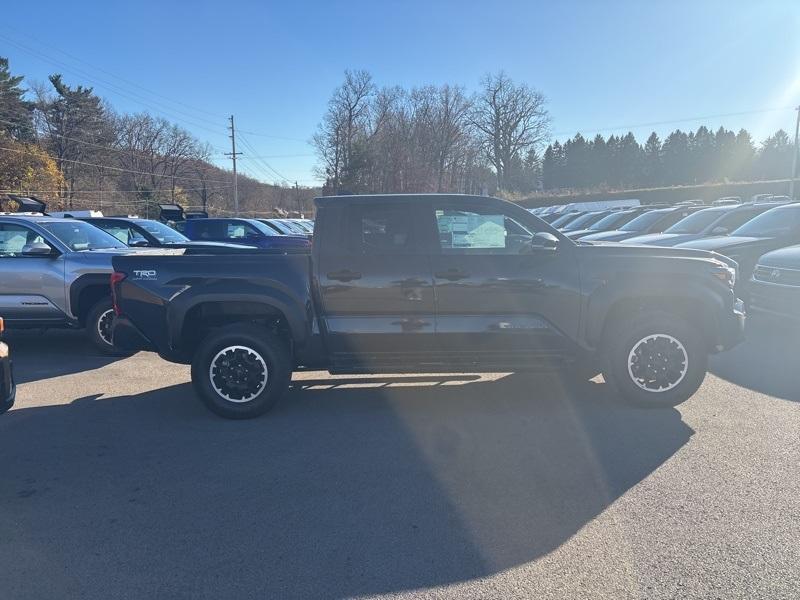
655	359
241	371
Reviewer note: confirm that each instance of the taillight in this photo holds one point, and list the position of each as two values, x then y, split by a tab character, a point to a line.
116	277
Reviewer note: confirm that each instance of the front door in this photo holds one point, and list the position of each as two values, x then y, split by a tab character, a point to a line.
32	289
502	298
376	288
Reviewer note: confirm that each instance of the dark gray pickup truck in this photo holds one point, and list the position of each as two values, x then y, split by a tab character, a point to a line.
429	283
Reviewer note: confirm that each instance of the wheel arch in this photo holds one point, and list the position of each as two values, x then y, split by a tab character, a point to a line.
85	292
207	313
698	304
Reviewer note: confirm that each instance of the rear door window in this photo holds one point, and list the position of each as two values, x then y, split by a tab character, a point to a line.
386	229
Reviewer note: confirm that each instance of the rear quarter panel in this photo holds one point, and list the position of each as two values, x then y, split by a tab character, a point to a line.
159	290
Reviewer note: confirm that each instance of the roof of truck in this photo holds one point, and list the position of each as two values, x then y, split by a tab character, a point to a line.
36	218
322	200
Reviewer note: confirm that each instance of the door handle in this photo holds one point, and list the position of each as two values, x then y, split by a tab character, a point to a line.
451	275
345	275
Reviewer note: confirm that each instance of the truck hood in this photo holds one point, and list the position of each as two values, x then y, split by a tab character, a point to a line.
199	244
785	258
615	235
723	242
574	235
607	253
88	261
667	240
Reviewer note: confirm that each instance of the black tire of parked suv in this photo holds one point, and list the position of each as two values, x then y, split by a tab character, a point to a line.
98	326
655	359
241	371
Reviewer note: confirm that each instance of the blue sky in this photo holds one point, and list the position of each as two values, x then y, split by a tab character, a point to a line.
602	65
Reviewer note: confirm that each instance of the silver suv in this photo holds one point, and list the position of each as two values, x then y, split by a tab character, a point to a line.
55	273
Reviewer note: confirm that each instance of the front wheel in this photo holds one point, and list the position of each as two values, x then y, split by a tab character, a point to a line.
98	326
655	359
241	371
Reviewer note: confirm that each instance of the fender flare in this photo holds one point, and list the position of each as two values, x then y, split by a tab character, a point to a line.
274	298
657	290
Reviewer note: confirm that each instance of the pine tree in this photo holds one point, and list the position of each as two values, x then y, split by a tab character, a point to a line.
16	113
598	161
675	152
630	160
651	162
775	157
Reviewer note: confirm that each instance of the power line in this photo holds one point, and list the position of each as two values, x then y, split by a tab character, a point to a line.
136	97
265	156
674	121
114	75
78	162
113	190
261	161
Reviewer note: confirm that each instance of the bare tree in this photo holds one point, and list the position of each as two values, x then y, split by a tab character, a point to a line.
344	123
510	119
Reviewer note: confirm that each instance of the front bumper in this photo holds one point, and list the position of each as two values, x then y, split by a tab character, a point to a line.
775	300
731	327
8	389
126	336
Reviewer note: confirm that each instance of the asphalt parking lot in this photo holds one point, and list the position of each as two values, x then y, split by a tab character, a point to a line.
117	483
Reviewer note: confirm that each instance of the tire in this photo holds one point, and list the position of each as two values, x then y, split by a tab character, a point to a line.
634	353
241	371
98	327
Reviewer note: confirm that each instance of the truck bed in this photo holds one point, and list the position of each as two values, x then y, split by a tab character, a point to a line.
159	291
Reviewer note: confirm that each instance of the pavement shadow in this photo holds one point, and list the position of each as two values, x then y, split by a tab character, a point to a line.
767	362
44	354
374	485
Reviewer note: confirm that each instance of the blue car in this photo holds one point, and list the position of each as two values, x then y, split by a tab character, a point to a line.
249	232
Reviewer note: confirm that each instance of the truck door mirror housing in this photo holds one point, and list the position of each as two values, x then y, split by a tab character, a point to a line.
39	249
544	239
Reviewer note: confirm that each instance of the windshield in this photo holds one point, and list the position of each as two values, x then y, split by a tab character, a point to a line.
773	223
262	227
77	235
306	226
610	221
737	218
583	221
163	233
565	218
294	227
696	222
644	221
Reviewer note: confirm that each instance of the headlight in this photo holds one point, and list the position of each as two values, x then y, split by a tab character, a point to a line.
726	275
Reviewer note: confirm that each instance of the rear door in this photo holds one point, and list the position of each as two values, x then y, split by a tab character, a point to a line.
32	289
500	300
376	286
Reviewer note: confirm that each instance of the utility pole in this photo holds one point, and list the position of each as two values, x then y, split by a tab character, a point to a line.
796	152
297	198
233	154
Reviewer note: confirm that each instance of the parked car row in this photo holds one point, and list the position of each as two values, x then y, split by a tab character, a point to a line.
762	236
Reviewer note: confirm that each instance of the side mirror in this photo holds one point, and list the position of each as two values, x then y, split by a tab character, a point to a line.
719	230
544	239
37	249
139	244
